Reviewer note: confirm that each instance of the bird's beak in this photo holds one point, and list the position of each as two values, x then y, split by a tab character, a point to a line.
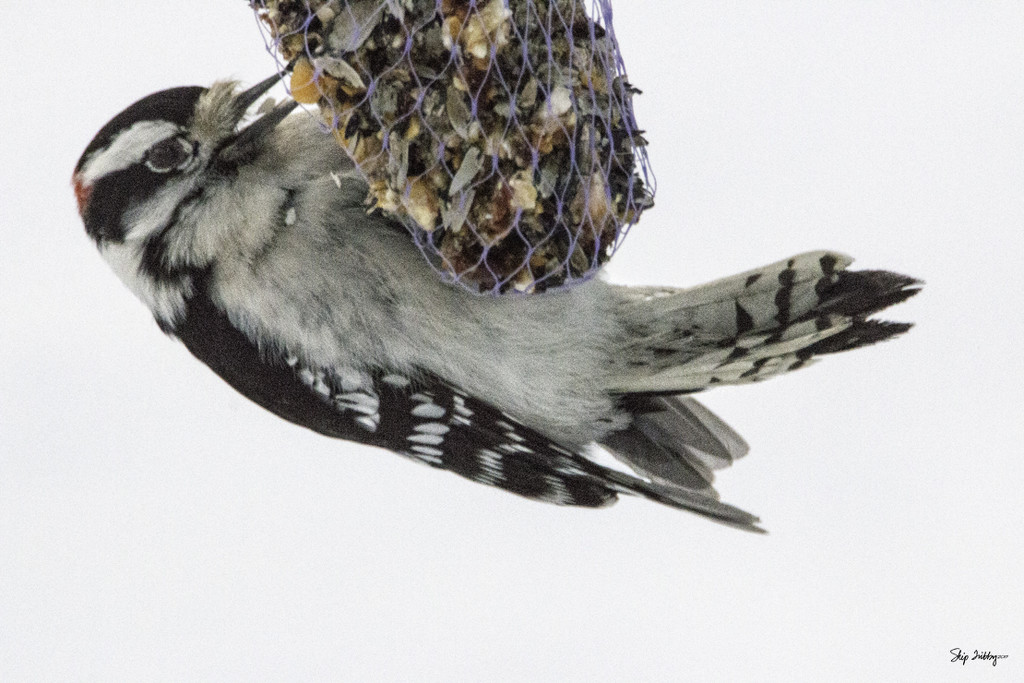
261	126
247	98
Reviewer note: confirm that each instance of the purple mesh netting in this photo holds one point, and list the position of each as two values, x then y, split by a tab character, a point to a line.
500	132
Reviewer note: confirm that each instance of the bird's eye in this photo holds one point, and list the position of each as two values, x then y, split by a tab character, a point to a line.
168	155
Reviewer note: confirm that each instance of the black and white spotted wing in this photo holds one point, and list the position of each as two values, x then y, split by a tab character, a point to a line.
421	417
424	418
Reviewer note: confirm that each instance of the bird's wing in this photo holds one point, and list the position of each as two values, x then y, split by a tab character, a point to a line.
424	418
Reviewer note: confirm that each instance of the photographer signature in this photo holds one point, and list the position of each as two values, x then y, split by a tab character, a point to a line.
962	657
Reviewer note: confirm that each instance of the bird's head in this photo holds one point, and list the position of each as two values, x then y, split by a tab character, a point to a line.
160	149
146	178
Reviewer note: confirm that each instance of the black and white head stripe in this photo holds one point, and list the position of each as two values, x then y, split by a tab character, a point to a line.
131	157
173	108
126	149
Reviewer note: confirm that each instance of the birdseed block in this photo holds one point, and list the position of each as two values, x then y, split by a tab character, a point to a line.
500	132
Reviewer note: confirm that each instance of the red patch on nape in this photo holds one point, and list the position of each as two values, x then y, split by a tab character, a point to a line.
82	192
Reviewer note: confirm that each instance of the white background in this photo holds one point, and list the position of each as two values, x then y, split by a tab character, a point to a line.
156	526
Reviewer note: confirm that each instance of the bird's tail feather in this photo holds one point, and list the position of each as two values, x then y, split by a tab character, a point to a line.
741	329
754	325
685	499
677	440
674	443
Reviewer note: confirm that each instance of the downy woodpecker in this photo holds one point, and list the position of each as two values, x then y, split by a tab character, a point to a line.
252	246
